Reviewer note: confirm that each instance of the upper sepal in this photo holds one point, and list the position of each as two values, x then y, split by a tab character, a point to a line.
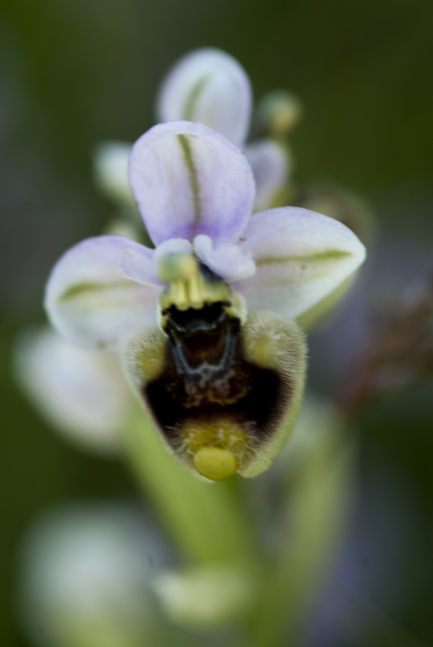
188	180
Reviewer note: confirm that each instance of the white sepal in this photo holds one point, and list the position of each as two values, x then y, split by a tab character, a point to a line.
301	257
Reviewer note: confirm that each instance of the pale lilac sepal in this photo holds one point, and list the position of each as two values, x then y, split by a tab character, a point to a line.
210	87
227	260
270	166
189	180
138	264
89	300
301	257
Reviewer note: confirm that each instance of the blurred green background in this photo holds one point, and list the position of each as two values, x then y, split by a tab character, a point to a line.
73	73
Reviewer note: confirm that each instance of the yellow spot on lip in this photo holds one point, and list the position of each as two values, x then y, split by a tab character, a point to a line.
215	463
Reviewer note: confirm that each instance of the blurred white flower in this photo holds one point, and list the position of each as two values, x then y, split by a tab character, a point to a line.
80	393
84	578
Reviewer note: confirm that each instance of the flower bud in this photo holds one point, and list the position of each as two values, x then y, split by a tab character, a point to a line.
277	113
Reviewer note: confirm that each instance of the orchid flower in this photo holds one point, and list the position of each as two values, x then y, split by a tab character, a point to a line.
227	283
210	87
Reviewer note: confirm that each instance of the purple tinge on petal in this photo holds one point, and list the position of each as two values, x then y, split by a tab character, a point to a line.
91	302
210	87
189	180
301	257
227	260
173	246
138	264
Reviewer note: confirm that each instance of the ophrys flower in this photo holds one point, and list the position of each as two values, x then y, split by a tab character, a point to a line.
205	320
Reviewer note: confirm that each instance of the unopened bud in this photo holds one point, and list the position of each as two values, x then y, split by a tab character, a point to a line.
278	113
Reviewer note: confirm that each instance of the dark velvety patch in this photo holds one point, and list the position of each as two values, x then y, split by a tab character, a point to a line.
206	376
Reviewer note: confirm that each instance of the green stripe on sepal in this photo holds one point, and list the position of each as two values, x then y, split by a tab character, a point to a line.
88	288
193	176
319	257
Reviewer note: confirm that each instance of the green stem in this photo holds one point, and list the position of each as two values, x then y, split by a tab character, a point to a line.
317	504
207	521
